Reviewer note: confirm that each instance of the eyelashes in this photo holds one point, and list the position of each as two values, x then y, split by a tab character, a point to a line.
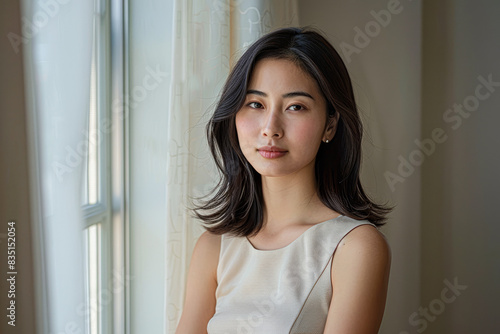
297	105
293	107
253	105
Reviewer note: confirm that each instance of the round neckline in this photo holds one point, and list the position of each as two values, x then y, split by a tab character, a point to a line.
293	241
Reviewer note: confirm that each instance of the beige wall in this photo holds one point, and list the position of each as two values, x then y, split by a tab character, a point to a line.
461	183
386	74
428	57
14	191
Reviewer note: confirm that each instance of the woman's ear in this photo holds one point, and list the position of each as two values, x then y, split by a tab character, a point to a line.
331	126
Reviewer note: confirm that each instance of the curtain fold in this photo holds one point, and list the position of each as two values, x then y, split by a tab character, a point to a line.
57	48
208	37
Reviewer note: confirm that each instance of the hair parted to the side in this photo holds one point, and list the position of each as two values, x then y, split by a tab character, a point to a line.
235	205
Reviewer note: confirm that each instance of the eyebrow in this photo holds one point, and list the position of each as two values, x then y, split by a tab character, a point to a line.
287	95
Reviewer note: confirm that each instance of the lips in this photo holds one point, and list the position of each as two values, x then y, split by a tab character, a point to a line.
271	152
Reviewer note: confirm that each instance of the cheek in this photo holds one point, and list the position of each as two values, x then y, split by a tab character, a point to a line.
308	132
245	126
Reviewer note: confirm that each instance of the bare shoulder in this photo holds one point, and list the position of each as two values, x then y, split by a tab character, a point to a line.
364	240
200	300
363	251
208	241
207	249
359	275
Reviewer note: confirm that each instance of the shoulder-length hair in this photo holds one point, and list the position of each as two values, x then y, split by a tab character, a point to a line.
235	205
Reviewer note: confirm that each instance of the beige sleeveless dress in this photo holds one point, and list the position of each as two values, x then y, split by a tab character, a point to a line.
286	290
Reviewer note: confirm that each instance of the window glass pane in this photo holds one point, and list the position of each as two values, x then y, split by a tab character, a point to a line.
92	157
84	194
95	181
93	242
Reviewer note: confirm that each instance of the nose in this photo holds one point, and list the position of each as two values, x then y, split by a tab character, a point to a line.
272	126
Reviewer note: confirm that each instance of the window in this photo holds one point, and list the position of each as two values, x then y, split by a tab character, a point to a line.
96	184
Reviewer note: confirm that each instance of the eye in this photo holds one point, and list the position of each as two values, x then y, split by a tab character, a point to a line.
255	105
296	107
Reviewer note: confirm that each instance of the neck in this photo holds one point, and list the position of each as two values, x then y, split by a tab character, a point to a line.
289	200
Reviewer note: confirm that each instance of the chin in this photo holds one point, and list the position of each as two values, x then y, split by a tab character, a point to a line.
275	172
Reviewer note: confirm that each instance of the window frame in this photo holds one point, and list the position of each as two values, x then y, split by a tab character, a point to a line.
100	213
119	167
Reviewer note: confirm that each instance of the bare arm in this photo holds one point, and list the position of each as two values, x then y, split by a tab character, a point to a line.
199	306
360	276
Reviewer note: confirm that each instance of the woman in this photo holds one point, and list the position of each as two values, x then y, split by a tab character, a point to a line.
291	244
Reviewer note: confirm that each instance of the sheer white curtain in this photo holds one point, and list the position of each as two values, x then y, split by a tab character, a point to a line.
208	38
57	39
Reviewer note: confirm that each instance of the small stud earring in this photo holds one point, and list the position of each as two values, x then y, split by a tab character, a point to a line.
326	141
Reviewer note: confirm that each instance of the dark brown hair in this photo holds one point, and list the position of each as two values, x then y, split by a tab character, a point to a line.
236	204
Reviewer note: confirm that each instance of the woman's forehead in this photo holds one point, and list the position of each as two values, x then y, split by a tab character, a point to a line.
282	76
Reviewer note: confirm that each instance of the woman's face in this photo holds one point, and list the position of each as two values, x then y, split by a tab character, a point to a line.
282	122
